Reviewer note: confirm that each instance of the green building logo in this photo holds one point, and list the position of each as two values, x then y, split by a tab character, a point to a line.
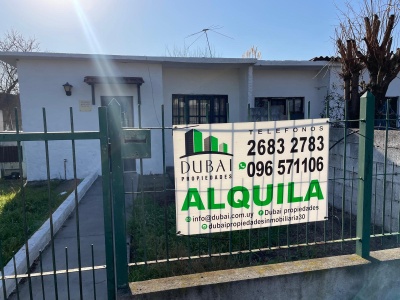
195	144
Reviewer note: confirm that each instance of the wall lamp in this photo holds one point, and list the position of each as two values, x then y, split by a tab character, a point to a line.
67	89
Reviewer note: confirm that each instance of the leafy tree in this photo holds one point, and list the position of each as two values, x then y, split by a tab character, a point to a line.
364	40
13	41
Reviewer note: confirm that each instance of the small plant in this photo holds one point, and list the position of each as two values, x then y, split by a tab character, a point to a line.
334	106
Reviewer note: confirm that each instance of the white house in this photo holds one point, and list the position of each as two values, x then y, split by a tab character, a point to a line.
192	90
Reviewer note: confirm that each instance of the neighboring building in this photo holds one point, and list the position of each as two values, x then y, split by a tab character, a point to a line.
192	90
9	166
8	104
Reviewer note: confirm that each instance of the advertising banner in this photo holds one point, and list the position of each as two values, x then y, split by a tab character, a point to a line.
236	176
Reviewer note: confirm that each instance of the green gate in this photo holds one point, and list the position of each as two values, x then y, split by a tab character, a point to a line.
74	270
117	143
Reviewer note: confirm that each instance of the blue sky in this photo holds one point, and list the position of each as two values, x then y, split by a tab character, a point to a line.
282	30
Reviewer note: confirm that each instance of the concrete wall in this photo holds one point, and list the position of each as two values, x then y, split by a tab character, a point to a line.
310	84
219	81
41	86
340	277
390	204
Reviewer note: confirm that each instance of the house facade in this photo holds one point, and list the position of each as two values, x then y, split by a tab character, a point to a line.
192	90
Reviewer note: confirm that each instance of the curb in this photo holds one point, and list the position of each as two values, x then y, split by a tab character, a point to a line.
41	237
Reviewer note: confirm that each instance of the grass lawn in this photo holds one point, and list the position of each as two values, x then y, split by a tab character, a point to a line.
30	202
153	238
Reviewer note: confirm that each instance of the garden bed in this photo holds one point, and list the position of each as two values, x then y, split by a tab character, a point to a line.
27	204
159	252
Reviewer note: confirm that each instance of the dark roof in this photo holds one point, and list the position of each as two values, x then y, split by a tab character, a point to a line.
326	58
106	79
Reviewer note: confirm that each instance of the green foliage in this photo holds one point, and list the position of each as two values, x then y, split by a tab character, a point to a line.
334	107
17	203
157	251
153	238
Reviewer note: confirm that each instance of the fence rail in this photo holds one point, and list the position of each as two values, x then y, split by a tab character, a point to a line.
156	250
363	215
48	272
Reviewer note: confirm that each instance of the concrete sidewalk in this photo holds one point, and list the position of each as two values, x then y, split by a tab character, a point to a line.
91	232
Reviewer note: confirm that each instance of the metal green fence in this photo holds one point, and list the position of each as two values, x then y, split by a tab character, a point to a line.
70	266
364	215
363	196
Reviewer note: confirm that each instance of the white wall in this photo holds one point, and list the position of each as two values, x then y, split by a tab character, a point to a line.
41	86
310	84
394	88
246	91
218	81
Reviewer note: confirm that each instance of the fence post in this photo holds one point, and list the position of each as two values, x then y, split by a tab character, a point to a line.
118	194
365	166
107	204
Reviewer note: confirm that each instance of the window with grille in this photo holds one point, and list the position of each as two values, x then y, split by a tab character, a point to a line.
282	108
199	109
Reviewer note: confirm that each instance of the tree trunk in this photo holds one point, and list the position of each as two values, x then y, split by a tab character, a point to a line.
354	107
380	99
347	95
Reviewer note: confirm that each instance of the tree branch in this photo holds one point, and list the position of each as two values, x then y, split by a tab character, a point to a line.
13	42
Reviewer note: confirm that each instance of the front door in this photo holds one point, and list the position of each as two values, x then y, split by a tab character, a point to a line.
126	103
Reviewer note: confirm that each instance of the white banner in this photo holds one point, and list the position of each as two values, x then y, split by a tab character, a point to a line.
236	176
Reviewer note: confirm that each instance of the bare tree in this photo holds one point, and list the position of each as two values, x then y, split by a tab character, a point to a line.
186	52
364	40
13	41
253	52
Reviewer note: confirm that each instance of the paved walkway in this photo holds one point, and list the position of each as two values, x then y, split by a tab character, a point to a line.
91	232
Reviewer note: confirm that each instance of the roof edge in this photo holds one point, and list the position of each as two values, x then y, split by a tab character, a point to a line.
282	64
12	57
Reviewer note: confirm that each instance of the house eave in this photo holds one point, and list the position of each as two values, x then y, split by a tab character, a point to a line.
171	62
294	64
12	58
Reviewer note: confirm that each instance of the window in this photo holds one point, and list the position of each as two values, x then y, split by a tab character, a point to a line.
380	113
282	108
199	109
